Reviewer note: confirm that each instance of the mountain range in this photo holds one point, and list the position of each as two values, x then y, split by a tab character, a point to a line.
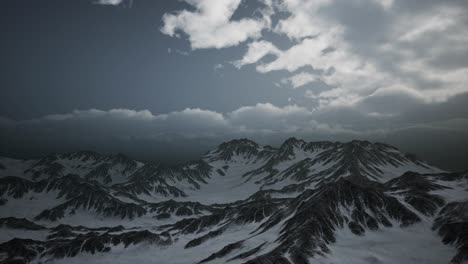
301	202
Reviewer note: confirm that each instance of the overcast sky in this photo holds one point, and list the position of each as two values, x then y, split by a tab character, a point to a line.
168	80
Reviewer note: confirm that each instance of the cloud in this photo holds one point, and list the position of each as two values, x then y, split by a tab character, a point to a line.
256	51
95	127
358	49
372	60
268	117
391	101
126	122
302	21
377	66
210	24
300	79
188	133
122	3
109	2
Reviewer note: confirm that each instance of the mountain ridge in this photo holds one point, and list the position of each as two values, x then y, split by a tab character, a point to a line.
239	203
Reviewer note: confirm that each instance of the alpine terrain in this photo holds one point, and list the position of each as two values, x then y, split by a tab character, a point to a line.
301	202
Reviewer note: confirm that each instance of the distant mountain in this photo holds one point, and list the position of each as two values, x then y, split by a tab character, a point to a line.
302	202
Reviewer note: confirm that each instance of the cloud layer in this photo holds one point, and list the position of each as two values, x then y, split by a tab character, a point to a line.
187	134
406	51
256	121
210	24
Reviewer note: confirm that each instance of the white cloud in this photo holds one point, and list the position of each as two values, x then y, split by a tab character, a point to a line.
301	79
265	116
190	122
417	26
356	47
119	129
256	51
302	21
210	25
109	2
353	76
95	113
361	50
322	42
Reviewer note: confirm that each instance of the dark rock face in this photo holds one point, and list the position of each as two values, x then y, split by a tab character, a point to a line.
319	213
223	252
358	158
416	190
84	194
452	226
148	180
67	231
21	250
101	171
47	168
248	212
180	208
102	204
200	240
163	216
78	192
248	253
19	223
238	147
160	179
16	187
27	249
94	165
354	201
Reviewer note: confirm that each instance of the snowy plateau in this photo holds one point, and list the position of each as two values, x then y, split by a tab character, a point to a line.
301	202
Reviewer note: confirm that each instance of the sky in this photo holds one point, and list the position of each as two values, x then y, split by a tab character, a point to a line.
168	80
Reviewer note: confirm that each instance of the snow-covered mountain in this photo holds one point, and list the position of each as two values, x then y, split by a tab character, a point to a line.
303	202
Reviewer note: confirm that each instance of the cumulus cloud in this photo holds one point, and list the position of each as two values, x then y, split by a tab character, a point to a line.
268	117
302	21
358	48
300	79
210	24
256	51
379	58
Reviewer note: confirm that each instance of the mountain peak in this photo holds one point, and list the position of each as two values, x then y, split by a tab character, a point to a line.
293	141
240	142
243	147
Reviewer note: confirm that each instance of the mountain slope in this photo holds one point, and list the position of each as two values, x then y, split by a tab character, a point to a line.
303	202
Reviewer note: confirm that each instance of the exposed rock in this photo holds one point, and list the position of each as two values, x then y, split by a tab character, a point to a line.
19	223
452	226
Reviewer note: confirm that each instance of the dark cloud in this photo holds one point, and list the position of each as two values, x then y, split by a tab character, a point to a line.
189	133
